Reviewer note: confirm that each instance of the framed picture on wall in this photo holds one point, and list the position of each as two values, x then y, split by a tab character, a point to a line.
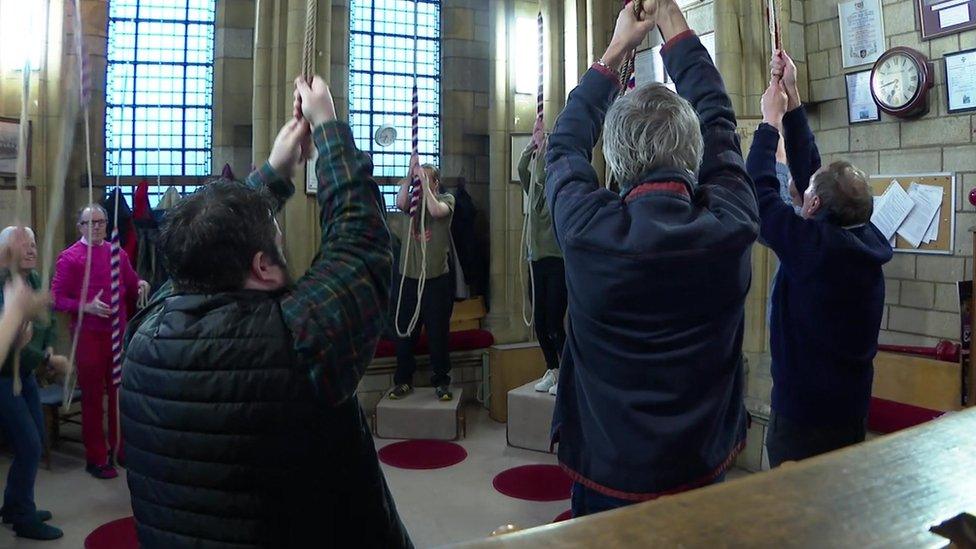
311	181
860	105
945	17
9	141
862	37
961	81
519	142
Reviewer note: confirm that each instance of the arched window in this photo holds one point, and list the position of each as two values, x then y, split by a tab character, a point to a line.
391	41
159	88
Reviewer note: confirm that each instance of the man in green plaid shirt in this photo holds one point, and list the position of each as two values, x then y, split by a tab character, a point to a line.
239	411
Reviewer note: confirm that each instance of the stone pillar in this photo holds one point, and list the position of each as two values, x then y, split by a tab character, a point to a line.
233	92
279	37
339	62
502	195
43	111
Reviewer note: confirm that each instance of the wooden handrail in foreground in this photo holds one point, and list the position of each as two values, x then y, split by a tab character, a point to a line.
884	493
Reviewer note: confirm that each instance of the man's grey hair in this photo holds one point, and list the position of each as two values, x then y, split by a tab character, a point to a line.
8	233
98	207
650	128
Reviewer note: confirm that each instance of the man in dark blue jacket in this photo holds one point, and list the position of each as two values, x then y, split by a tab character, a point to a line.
650	398
828	294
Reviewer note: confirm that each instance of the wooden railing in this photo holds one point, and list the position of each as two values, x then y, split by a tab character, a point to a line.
885	493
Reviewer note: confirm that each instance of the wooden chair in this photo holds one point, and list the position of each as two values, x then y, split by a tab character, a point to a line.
52	399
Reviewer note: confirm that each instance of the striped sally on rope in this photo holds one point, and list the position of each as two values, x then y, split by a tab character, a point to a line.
415	186
415	208
116	298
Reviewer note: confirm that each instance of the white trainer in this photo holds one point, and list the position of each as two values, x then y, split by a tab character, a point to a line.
548	381
552	390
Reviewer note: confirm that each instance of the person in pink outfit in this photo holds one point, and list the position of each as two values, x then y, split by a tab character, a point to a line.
94	353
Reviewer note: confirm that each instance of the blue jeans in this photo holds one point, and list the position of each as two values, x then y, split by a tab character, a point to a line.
586	501
23	427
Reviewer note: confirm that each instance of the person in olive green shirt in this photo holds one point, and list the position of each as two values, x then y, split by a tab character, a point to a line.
546	261
21	417
437	301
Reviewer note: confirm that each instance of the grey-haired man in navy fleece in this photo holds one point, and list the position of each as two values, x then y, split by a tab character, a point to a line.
650	392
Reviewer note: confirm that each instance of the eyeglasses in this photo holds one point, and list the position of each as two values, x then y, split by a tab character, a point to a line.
94	223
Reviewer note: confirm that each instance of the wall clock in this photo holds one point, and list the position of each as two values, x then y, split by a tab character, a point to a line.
900	82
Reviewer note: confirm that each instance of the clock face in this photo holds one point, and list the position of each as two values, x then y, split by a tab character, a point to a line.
897	81
385	136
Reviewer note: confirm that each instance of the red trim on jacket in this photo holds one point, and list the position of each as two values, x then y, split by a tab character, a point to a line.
676	38
658	186
633	496
605	71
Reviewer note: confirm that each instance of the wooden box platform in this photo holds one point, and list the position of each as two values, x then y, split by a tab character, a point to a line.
511	365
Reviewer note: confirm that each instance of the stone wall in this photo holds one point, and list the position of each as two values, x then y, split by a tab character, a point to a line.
464	96
921	303
233	89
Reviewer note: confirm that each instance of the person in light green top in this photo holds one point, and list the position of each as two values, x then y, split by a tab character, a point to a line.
546	261
437	301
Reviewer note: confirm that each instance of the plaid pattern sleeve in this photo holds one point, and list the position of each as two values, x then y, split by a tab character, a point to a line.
338	309
279	188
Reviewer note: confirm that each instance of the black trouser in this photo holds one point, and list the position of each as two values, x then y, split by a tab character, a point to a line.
787	440
549	298
436	306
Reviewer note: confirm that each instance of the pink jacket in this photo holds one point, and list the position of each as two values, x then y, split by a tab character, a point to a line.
69	275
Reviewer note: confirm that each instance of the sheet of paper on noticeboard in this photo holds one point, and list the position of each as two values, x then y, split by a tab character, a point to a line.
920	207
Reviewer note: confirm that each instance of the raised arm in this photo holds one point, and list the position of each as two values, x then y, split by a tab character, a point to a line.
20	305
722	173
801	147
781	229
437	208
525	175
573	190
402	199
337	310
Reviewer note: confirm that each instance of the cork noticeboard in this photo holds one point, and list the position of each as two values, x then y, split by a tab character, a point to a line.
947	214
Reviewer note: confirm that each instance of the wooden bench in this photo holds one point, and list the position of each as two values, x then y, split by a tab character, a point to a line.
887	492
909	390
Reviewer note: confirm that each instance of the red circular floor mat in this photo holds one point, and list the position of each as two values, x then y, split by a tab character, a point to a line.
118	534
565	515
534	483
422	454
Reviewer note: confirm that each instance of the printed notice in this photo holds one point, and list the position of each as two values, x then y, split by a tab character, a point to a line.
956	15
893	208
926	206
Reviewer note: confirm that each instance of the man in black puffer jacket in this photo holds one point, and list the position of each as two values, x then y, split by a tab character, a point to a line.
242	428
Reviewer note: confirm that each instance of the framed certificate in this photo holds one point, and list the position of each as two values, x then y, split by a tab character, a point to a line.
860	105
960	68
9	146
945	17
862	38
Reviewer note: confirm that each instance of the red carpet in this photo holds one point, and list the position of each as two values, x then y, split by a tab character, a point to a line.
565	515
534	483
422	454
118	534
